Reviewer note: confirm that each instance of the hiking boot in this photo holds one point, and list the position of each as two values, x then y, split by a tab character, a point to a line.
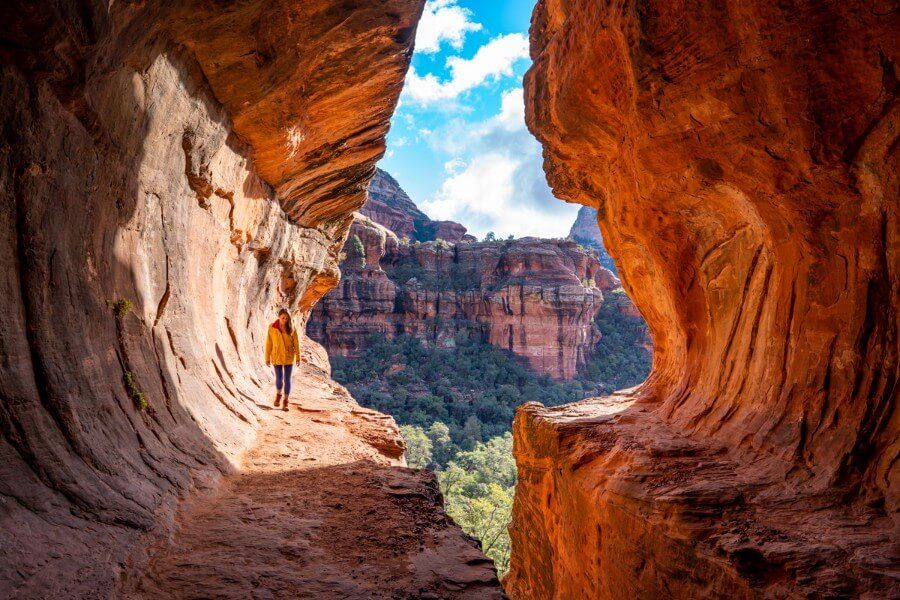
278	399
285	406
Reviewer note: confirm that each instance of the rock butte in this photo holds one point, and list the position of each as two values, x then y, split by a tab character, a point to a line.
743	160
388	205
203	160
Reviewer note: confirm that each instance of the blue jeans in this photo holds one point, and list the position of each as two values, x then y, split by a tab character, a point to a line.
283	378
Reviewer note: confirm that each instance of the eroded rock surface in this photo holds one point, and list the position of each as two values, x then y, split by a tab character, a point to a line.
742	158
191	167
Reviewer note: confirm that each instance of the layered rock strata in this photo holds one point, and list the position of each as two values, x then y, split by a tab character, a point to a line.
171	173
536	298
742	158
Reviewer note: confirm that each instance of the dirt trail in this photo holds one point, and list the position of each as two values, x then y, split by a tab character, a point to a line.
320	509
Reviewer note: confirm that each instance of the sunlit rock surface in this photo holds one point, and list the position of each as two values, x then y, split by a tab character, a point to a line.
742	158
535	297
149	153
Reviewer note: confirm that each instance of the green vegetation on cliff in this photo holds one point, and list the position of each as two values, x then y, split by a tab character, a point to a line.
474	388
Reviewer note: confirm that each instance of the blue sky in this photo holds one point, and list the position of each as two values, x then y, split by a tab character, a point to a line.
458	143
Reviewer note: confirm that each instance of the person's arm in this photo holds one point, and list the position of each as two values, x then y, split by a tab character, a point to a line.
269	347
296	348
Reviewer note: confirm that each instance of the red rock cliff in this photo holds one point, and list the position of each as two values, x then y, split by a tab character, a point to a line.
536	298
743	160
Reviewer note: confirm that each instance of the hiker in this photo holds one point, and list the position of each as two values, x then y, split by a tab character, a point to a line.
282	351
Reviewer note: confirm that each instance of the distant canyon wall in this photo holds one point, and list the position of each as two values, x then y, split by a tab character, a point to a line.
743	160
190	167
536	298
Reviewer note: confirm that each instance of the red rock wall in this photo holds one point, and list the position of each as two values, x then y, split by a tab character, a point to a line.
149	153
536	298
743	161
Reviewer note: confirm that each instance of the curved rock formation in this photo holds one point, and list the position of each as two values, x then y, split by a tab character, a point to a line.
743	159
536	298
171	173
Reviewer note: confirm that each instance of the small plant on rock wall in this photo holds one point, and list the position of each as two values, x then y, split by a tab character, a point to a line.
121	307
134	392
356	252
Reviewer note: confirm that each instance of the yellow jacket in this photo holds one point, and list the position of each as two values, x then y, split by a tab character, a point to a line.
282	348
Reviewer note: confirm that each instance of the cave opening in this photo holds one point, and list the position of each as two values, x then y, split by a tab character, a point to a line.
467	288
174	173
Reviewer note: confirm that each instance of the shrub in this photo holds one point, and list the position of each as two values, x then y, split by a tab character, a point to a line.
355	252
134	392
121	307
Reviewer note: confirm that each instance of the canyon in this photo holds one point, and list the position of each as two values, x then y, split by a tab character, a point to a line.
173	172
536	298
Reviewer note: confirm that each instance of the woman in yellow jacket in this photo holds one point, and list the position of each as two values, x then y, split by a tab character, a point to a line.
282	351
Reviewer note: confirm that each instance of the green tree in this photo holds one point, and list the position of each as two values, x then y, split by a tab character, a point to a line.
472	431
490	237
442	445
478	489
356	252
418	446
486	518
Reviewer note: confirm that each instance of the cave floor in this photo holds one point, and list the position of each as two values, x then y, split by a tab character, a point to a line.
318	511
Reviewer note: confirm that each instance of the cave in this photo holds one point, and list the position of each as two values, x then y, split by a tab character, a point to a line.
171	172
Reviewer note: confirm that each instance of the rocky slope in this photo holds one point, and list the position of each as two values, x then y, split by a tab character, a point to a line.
171	172
388	205
742	157
536	298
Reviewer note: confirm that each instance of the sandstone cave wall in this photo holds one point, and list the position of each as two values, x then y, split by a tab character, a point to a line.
149	153
743	160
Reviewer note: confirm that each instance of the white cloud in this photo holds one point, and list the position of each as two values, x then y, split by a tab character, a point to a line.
491	62
443	21
495	180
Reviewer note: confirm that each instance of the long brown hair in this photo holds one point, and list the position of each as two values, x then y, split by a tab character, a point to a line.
289	326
